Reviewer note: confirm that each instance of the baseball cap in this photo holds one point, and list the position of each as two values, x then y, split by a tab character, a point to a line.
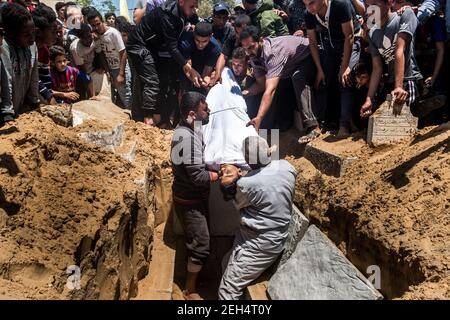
251	1
221	7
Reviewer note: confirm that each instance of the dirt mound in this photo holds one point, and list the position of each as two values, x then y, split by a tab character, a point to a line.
65	202
391	209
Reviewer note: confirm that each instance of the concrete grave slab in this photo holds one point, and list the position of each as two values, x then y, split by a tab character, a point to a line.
318	270
332	157
102	110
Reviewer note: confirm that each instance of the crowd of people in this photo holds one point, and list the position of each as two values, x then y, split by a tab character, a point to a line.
333	62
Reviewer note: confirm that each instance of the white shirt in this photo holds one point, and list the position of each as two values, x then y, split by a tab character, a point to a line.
111	44
83	55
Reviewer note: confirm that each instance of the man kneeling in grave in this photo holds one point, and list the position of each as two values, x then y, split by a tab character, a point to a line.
264	197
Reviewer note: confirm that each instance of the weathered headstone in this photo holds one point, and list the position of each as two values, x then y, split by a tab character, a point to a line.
318	270
387	128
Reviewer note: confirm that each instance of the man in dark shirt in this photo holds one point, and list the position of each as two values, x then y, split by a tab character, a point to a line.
191	184
158	31
241	22
221	27
202	51
330	26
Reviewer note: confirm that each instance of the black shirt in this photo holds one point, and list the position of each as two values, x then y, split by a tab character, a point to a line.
340	11
222	35
229	45
160	30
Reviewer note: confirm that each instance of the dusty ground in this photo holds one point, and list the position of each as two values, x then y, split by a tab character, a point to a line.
391	209
67	202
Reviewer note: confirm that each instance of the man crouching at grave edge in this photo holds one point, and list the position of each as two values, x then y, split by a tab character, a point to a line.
191	185
264	197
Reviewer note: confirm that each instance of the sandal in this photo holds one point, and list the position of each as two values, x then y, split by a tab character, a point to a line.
312	135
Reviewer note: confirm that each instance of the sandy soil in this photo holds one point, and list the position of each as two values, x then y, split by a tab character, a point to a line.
67	202
391	209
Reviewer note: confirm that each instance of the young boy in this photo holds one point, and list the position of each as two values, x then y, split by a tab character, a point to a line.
83	55
392	43
110	18
240	67
64	78
19	57
111	44
361	71
46	33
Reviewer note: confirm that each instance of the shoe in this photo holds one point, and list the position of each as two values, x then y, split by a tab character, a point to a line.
312	135
424	107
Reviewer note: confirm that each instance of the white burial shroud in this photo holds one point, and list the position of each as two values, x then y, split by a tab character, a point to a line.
224	134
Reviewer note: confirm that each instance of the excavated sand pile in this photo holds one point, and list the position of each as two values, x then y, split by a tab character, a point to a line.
68	202
391	209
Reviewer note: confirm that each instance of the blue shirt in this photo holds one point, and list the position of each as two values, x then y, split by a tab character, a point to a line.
200	58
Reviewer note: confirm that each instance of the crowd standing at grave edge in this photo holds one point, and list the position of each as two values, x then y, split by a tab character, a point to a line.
332	62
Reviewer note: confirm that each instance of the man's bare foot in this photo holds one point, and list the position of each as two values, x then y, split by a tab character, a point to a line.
343	133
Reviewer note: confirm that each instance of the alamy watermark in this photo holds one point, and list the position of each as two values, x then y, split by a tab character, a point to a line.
74	280
375	276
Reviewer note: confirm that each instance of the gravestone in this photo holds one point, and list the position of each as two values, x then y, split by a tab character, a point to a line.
332	156
387	128
318	270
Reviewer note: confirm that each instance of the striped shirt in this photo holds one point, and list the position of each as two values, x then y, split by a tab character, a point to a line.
280	57
66	81
45	79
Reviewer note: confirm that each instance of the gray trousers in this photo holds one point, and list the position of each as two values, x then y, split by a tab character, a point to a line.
124	89
251	255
